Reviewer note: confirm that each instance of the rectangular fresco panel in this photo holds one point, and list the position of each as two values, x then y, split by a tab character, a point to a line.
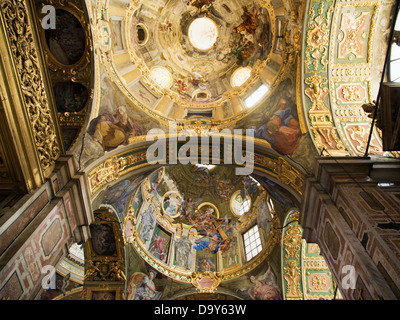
117	34
206	261
144	95
103	239
230	258
183	254
137	201
160	243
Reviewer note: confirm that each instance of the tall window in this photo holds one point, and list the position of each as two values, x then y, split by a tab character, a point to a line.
394	64
252	243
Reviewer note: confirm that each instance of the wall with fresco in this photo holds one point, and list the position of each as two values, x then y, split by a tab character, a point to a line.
49	220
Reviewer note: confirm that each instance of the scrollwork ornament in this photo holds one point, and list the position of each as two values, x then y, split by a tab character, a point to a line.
292	276
24	53
206	282
292	242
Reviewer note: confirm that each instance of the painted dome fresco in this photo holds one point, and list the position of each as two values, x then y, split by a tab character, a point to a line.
194	49
185	60
192	220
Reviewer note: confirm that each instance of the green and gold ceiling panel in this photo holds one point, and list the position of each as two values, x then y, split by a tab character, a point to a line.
305	274
339	62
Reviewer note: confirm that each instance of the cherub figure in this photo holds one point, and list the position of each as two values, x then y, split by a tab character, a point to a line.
181	85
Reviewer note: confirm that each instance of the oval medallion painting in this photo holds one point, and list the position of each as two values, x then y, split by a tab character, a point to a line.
70	96
67	41
171	203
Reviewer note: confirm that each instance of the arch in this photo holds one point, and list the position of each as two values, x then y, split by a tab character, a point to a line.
333	91
118	163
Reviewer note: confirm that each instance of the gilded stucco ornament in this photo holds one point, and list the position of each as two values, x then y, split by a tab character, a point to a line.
105	271
292	242
122	163
292	275
337	74
21	40
104	257
206	282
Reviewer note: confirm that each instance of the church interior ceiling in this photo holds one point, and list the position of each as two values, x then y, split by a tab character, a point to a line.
297	72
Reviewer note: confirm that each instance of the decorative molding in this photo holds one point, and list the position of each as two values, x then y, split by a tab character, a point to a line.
117	165
305	274
337	73
22	46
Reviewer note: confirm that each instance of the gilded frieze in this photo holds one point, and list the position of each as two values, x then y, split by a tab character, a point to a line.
118	165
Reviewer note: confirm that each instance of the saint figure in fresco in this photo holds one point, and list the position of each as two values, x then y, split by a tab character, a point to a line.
67	41
148	226
282	130
130	127
263	291
112	131
70	97
263	287
243	42
212	242
158	247
142	287
182	252
214	230
206	265
249	24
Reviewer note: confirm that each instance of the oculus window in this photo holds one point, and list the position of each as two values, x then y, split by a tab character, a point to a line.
240	76
239	205
203	33
161	76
